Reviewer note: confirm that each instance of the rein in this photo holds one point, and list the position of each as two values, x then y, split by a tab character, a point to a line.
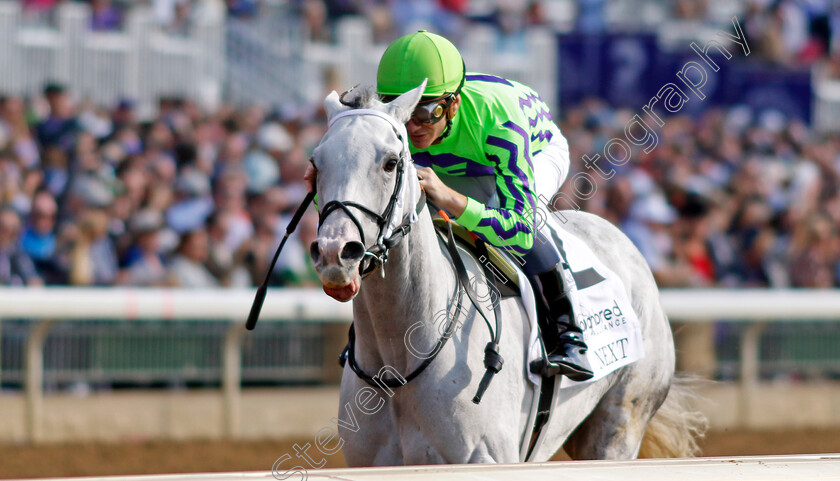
377	256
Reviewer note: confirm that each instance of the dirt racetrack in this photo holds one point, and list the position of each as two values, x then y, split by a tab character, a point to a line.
18	461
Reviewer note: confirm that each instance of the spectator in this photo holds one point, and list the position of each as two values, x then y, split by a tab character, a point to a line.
39	238
295	267
647	226
242	8
229	197
60	127
591	17
93	257
144	265
222	262
15	134
187	268
193	202
16	268
105	16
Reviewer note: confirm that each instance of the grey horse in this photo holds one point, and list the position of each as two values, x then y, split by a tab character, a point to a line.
431	419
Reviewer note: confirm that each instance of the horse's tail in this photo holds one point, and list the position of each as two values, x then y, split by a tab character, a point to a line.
677	426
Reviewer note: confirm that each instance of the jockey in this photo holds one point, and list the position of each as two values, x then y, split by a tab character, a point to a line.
488	148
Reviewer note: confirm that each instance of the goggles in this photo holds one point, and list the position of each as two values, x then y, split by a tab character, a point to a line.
432	111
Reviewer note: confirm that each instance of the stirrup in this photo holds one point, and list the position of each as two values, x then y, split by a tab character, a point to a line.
567	358
560	365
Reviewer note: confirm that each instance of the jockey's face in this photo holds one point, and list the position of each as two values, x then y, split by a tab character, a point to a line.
424	134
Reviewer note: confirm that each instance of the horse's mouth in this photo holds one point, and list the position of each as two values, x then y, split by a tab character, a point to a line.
344	293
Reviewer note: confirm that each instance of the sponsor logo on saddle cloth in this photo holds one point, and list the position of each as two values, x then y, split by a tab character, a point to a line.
602	309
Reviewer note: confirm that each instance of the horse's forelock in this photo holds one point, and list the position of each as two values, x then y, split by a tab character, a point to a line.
362	98
366	98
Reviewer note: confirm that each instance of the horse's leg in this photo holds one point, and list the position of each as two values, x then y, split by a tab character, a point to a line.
439	423
615	428
367	439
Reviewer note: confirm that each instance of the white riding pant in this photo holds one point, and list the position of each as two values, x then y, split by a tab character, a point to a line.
551	167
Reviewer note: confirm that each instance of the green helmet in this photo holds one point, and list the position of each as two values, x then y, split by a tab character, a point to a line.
417	56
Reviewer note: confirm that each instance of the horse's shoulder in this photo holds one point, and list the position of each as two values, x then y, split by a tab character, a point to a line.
585	223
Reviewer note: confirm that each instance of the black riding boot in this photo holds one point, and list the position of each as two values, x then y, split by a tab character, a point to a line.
563	339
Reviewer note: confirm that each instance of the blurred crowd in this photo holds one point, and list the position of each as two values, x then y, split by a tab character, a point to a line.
791	33
90	196
93	196
728	199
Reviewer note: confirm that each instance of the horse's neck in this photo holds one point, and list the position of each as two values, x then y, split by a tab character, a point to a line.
417	285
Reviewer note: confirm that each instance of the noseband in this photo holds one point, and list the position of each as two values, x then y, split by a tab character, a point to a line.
377	255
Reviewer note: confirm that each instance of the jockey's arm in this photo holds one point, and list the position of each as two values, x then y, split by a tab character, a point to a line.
440	194
510	226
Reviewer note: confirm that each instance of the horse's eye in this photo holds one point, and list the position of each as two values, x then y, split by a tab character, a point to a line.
391	164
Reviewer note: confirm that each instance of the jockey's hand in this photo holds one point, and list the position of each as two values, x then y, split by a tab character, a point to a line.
440	194
310	176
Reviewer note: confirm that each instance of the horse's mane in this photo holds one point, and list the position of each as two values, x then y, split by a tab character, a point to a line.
365	97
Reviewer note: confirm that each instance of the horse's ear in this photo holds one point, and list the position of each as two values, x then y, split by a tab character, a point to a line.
333	105
402	107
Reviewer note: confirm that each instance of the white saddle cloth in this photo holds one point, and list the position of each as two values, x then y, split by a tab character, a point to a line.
602	310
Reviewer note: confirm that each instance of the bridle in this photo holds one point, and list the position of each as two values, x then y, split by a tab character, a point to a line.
377	255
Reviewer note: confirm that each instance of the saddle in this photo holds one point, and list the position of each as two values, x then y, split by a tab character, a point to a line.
495	261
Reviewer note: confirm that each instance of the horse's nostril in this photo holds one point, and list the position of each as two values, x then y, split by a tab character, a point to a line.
352	251
315	251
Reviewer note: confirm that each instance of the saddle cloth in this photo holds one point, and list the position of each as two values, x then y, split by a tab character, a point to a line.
599	300
601	306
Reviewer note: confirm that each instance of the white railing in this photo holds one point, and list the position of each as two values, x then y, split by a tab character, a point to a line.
45	306
266	61
744	468
352	59
141	63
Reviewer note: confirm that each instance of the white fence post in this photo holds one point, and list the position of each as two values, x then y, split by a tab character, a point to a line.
232	378
9	21
355	43
73	23
750	367
35	380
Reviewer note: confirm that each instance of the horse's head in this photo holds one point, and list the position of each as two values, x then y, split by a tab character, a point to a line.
360	161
